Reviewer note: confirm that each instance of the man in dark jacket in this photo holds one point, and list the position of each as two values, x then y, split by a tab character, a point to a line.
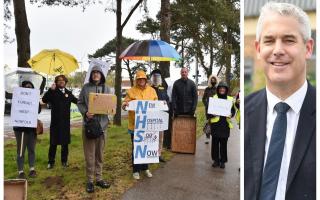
156	84
184	95
60	99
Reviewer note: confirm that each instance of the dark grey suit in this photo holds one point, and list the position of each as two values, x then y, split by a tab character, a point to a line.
301	182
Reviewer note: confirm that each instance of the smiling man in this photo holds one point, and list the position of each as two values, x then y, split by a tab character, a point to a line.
280	120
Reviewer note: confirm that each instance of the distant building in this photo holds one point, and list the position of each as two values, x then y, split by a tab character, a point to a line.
253	74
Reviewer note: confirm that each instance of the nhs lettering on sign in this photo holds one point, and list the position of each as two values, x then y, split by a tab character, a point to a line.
150	118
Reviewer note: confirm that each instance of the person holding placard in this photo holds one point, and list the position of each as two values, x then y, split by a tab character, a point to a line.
220	129
60	99
26	139
94	147
140	91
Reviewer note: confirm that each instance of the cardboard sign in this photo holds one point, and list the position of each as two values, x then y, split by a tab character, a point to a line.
25	105
152	121
15	189
102	103
146	147
184	134
220	107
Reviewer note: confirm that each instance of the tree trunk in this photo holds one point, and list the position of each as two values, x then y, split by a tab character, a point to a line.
118	78
22	33
165	17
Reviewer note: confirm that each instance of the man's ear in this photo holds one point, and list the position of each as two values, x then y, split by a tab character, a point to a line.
309	48
257	46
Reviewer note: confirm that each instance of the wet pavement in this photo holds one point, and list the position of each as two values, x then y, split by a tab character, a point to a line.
191	177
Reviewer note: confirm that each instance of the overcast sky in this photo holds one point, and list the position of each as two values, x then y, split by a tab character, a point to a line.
76	32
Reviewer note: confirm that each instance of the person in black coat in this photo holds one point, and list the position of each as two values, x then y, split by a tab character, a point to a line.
209	92
60	99
220	130
184	95
156	84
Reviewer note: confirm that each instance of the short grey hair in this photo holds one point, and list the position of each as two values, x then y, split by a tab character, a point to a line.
285	9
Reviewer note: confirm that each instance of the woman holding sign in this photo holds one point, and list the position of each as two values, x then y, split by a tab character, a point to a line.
26	139
140	91
220	129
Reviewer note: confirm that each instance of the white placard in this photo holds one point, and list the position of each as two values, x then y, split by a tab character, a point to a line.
146	147
24	108
105	66
220	107
143	106
152	121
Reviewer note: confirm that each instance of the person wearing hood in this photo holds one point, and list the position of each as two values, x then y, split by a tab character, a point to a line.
140	91
156	84
94	148
29	142
184	95
60	99
220	129
209	92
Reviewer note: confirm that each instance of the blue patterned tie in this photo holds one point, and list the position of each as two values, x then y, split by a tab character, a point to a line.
273	163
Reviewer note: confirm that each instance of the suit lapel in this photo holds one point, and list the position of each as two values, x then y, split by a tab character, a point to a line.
257	120
305	131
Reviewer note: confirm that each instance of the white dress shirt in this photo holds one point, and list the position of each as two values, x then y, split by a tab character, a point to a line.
295	102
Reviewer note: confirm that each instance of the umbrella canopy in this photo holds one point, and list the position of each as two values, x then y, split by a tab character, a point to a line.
150	50
53	62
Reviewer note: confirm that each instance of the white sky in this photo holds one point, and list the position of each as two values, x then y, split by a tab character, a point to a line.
78	33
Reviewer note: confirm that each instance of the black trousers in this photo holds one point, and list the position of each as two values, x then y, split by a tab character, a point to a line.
219	149
137	167
53	150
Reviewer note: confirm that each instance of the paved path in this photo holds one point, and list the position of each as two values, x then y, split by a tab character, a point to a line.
191	177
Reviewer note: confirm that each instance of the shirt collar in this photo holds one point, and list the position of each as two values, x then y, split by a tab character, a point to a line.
295	101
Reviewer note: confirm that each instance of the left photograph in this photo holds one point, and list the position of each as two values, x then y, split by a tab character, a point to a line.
121	100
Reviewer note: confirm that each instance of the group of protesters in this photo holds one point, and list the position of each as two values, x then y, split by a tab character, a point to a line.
182	101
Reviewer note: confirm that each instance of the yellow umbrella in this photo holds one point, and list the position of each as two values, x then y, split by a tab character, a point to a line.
53	62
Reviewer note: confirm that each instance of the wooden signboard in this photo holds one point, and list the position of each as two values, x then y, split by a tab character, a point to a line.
184	134
102	103
15	189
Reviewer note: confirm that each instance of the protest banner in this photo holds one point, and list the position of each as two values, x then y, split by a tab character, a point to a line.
220	107
105	66
25	105
102	103
149	120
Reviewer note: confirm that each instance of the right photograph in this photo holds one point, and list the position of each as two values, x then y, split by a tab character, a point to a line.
280	100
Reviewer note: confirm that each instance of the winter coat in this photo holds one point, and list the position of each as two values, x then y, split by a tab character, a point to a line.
209	92
184	97
60	115
83	101
161	93
137	93
221	128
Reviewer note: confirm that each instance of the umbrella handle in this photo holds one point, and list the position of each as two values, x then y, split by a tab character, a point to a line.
22	137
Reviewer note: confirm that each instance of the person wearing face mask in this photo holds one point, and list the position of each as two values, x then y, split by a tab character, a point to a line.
209	92
140	91
94	148
156	84
29	142
60	99
220	129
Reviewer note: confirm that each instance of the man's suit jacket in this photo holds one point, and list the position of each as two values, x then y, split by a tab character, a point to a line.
301	181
